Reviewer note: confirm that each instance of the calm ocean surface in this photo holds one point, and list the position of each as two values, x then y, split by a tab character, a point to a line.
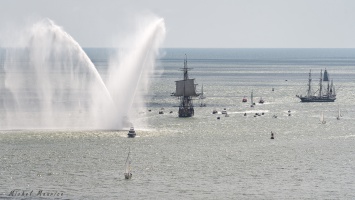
202	157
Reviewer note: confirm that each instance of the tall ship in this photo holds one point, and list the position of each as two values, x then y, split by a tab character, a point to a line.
186	90
323	93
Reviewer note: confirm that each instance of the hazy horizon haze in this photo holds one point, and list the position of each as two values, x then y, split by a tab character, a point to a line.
196	24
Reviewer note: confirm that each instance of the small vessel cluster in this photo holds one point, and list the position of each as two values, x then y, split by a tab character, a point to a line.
186	90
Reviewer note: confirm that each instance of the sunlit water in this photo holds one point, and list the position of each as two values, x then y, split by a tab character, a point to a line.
202	157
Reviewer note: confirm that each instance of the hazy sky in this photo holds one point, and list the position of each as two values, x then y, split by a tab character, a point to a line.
196	23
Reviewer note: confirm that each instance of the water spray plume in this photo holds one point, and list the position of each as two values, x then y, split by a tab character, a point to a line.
49	81
131	68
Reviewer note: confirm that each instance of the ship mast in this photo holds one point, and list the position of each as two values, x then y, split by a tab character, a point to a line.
320	83
309	84
185	69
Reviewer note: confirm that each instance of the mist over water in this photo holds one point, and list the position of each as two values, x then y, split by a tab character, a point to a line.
48	81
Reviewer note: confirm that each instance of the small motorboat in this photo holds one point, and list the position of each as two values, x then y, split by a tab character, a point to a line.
161	111
226	115
245	114
224	112
214	111
131	133
244	100
261	100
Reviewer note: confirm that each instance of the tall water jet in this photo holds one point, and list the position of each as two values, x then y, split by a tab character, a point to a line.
47	80
132	67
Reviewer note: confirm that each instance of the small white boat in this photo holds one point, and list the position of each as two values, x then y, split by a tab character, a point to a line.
131	133
128	170
322	118
339	114
224	112
202	97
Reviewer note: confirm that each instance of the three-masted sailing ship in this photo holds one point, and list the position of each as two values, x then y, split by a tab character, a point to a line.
324	95
186	90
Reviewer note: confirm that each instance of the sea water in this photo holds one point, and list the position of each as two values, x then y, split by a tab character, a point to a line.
203	157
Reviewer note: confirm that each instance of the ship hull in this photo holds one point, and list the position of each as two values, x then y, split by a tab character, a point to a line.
306	99
131	135
186	112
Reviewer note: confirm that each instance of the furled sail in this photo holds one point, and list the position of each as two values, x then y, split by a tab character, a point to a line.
185	88
325	77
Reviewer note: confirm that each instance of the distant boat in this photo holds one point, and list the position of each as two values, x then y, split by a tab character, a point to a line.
339	114
128	170
251	100
327	95
244	99
322	118
131	133
261	101
161	111
226	115
202	97
224	112
214	111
